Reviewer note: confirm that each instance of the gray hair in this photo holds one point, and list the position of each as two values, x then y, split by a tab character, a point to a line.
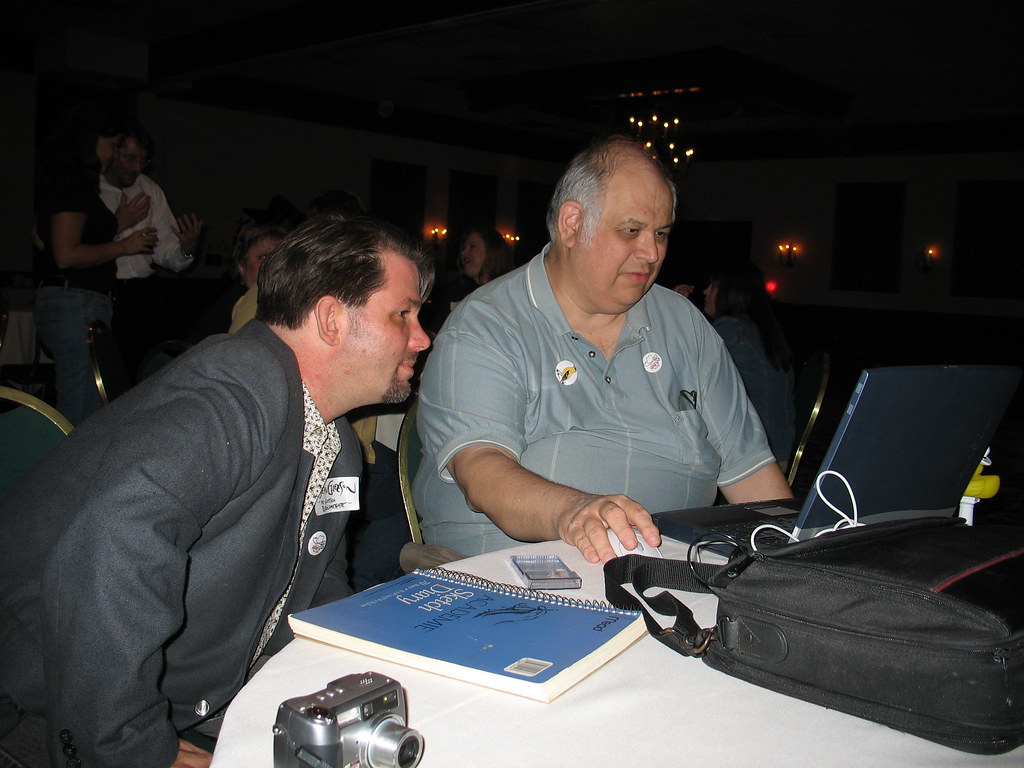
585	179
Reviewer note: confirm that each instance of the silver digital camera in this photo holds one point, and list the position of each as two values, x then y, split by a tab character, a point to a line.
356	720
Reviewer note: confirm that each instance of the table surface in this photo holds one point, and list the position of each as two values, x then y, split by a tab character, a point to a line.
647	706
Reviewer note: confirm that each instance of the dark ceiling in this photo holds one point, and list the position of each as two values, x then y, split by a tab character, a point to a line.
746	78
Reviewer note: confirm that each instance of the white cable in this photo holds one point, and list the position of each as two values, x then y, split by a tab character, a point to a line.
774	527
845	521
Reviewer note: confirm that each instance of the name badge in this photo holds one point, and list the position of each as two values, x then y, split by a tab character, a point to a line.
340	494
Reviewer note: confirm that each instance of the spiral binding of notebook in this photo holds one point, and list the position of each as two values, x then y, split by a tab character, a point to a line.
514	590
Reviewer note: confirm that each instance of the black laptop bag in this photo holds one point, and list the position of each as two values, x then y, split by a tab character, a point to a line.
918	626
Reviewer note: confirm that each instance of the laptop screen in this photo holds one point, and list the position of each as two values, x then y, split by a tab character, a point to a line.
909	442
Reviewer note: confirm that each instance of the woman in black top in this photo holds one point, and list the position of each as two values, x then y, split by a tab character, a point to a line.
76	266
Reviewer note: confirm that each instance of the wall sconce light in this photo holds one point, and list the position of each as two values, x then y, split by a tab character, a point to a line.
787	254
437	234
511	239
926	259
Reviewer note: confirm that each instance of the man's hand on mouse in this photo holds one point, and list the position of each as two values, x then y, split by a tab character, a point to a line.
587	523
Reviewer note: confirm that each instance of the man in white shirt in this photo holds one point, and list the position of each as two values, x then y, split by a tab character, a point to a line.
139	202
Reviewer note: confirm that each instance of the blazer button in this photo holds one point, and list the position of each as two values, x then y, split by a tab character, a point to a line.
202	707
69	750
74	762
65	736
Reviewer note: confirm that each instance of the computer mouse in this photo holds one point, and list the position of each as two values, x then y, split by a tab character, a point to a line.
642	547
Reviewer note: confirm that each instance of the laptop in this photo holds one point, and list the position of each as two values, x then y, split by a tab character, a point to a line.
908	444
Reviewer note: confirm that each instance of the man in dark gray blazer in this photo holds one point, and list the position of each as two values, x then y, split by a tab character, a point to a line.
150	561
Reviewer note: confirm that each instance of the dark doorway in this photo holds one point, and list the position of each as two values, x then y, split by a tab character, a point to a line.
697	245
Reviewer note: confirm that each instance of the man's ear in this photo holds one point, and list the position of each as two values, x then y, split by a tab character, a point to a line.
570	222
332	320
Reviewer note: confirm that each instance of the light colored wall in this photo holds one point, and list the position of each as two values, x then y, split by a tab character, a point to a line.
794	201
216	162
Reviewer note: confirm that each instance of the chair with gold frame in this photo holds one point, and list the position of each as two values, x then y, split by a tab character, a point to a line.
808	395
410	453
29	429
108	367
415	554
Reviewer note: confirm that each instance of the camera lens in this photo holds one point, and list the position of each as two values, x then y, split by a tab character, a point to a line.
392	745
409	753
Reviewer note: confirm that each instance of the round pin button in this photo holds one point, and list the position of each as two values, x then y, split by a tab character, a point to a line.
652	362
566	372
317	543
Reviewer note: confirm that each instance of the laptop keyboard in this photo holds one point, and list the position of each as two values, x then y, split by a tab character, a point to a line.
767	538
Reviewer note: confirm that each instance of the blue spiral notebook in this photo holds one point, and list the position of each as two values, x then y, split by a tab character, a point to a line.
500	636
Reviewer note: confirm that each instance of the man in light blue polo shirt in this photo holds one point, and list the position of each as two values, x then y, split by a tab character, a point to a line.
573	395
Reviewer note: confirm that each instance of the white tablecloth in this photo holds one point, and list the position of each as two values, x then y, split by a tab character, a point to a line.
648	706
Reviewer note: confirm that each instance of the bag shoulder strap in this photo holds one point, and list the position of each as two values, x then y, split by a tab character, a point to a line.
685	636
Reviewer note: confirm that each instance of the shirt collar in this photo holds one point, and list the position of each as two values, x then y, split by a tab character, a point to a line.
315	431
542	297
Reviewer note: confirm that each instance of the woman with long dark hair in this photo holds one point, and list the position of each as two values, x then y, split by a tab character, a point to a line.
75	266
741	311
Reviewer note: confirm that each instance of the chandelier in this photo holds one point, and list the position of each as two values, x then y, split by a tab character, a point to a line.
660	136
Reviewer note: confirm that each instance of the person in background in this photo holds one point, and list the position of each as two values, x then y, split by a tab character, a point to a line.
741	311
574	396
76	266
252	246
138	202
149	562
483	256
254	242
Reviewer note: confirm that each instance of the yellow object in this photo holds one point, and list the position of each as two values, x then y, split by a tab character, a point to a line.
982	486
243	311
365	428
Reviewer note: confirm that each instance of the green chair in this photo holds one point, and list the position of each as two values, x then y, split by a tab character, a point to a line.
808	394
410	453
29	429
108	367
